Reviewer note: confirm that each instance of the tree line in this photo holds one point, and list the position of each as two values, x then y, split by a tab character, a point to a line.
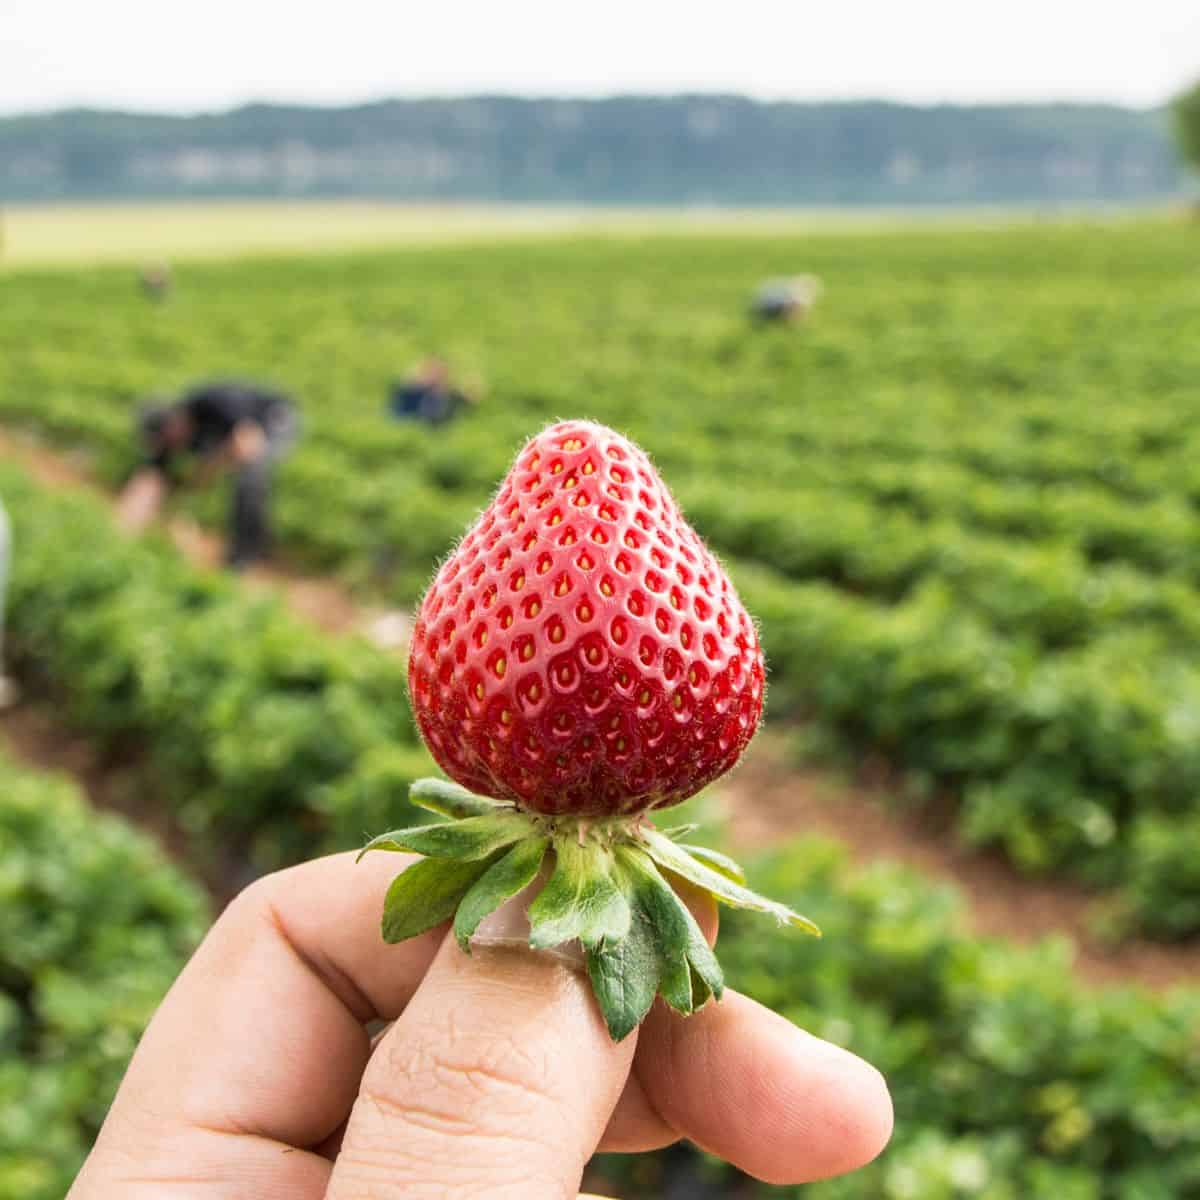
622	150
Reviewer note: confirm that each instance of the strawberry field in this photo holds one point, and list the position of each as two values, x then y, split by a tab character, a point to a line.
962	501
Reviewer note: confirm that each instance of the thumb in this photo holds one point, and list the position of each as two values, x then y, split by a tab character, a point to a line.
498	1080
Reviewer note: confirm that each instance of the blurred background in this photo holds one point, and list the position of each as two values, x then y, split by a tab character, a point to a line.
904	302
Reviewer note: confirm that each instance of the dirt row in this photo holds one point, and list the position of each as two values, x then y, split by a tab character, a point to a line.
766	798
768	795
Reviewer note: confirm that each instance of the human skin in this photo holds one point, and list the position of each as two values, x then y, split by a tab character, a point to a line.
141	500
258	1077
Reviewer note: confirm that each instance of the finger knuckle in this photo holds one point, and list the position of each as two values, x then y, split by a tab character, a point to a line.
464	1070
254	901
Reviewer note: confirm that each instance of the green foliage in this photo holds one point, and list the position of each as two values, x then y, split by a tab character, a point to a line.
94	926
262	735
604	891
721	883
1011	1080
583	898
1186	111
961	501
468	840
1057	758
1165	873
428	893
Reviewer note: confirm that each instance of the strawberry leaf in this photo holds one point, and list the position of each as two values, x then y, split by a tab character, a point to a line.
624	975
680	937
708	980
663	952
665	915
581	900
611	889
449	799
427	894
505	878
466	840
679	861
721	863
701	992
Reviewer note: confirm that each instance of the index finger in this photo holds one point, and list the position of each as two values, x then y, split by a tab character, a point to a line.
264	1032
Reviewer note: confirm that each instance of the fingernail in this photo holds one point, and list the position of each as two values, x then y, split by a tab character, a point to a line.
508	927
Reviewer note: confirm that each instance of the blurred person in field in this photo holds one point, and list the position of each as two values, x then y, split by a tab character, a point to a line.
231	427
428	394
786	301
156	281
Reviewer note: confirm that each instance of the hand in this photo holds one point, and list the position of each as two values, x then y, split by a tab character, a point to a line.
141	499
257	1076
248	442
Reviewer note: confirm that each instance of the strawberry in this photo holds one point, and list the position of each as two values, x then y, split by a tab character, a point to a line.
581	651
580	659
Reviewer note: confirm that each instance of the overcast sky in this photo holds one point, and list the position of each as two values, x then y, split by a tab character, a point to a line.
154	54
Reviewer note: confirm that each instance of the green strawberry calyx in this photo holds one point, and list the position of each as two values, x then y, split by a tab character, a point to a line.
609	888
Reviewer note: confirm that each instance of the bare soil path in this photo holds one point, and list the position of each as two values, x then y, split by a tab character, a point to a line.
769	796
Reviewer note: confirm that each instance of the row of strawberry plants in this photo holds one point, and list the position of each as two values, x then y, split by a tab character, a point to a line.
1074	577
94	926
1091	561
1157	535
1046	591
255	729
1011	1081
1103	456
1059	451
1084	760
1103	453
858	522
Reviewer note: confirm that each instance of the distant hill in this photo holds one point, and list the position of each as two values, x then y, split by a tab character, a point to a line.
722	150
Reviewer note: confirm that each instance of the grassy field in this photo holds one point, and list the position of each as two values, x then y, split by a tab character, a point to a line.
962	500
68	236
132	233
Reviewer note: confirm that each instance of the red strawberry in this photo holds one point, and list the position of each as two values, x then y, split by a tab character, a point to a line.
581	652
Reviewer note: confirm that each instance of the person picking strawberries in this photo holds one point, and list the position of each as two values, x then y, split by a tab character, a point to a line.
239	427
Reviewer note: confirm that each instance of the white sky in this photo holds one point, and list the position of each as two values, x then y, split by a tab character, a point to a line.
200	54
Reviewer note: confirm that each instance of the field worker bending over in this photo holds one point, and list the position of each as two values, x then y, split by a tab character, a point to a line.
428	395
231	426
156	281
786	300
